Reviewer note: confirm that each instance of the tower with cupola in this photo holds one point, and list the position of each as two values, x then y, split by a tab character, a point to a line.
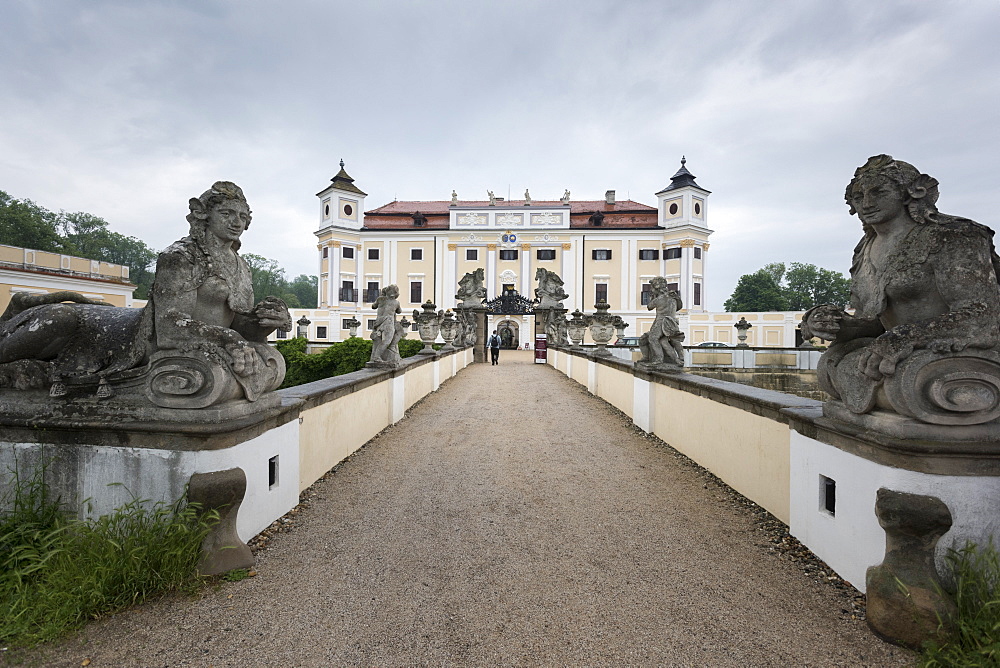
342	215
682	210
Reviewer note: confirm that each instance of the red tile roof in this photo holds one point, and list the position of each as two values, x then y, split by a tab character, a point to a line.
444	206
621	214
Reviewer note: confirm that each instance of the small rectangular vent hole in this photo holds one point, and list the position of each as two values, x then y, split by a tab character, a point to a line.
272	472
828	494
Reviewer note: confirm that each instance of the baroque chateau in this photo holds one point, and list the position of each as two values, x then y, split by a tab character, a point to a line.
606	249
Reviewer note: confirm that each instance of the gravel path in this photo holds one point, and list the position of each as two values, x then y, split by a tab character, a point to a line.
482	531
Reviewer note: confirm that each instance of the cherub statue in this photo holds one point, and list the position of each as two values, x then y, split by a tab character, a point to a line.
662	344
388	331
565	198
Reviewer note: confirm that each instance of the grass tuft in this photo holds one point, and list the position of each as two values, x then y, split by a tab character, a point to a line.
975	573
56	572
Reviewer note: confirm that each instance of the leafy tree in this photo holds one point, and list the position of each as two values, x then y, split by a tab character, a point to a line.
305	288
809	285
23	223
798	287
269	280
91	237
757	292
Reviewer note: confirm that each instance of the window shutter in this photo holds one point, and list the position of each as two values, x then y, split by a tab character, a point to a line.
593	254
609	253
656	254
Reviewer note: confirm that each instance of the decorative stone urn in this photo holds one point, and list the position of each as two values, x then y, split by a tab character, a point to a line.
405	325
741	327
428	324
449	330
619	325
602	328
352	326
577	328
302	331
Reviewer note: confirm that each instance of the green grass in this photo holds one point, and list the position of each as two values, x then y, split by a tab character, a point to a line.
337	359
975	573
236	575
57	572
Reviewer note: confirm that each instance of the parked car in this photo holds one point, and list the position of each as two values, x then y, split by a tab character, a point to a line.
713	344
632	341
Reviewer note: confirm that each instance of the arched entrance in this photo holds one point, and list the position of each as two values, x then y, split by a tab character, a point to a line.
513	326
510	334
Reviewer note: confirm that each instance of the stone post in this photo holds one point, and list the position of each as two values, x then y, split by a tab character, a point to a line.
906	600
479	351
222	491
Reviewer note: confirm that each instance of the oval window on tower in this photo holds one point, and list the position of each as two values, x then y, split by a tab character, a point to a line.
697	208
326	210
348	209
673	209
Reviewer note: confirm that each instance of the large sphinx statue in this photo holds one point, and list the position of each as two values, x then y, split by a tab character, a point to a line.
198	342
549	292
922	346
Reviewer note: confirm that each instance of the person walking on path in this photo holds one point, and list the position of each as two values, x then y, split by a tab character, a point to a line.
495	348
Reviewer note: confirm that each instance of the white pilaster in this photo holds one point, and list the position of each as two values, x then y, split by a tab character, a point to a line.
450	267
526	276
334	286
491	272
686	278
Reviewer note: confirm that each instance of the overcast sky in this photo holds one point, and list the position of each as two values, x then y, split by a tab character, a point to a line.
127	109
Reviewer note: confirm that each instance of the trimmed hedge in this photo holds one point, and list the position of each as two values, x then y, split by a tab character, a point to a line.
340	358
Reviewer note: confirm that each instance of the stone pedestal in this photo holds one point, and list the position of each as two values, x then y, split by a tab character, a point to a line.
482	339
906	600
221	491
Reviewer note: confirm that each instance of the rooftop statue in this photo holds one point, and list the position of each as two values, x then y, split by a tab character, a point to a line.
199	341
471	291
549	292
662	345
923	340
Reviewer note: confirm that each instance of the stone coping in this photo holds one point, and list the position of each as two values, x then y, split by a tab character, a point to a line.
206	435
805	416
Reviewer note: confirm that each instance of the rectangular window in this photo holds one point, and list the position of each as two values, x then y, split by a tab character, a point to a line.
646	294
697	253
343	323
320	332
649	254
601	254
672	254
546	254
347	292
416	292
326	251
508	255
600	293
371	324
281	334
471	253
672	286
697	294
373	253
371	292
347	252
416	253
